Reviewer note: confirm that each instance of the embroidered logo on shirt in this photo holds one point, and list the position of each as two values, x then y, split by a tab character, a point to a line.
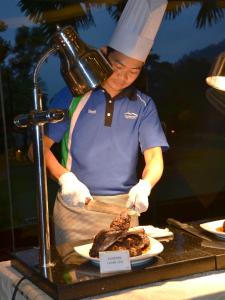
92	111
130	115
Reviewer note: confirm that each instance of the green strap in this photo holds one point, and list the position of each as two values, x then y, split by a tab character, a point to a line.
64	143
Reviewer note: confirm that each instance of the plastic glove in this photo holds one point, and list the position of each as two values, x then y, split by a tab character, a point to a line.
73	191
138	196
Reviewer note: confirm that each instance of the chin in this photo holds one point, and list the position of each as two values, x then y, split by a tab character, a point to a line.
118	86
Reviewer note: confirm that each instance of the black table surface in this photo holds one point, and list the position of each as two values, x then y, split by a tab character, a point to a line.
74	277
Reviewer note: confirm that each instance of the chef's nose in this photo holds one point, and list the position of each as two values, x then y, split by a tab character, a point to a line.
123	74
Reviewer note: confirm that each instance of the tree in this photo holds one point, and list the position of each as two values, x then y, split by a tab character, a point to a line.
209	13
4	45
48	14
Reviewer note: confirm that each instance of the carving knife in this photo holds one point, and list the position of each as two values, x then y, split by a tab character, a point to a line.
99	206
189	228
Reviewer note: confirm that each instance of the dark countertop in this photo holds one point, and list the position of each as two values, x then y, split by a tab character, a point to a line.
74	277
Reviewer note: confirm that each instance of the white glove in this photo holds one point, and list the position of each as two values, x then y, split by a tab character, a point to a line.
138	196
73	191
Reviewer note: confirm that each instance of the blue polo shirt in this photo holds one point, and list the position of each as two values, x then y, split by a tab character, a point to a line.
103	145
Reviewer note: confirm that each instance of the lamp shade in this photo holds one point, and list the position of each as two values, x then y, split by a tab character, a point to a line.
82	67
216	77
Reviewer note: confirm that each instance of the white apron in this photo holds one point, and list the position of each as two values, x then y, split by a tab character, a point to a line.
74	225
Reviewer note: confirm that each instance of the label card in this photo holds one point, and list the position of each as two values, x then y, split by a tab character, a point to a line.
114	261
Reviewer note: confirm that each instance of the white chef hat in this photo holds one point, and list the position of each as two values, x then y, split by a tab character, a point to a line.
137	27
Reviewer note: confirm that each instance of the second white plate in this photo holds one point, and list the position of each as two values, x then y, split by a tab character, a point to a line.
214	227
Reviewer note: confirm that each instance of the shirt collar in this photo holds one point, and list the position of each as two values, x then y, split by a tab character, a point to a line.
129	92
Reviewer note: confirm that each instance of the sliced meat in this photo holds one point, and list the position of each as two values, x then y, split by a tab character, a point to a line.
121	222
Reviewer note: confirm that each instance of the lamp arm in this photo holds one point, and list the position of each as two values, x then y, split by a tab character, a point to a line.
44	56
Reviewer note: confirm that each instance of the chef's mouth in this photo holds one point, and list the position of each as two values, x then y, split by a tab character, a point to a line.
120	86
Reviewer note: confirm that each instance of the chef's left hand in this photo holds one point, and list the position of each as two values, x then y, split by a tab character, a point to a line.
138	196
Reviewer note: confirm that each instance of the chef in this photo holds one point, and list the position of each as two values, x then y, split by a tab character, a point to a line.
102	135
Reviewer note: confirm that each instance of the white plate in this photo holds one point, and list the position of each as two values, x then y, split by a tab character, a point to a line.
214	227
155	232
155	249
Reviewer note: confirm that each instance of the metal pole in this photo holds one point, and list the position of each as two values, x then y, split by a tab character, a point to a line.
41	177
41	188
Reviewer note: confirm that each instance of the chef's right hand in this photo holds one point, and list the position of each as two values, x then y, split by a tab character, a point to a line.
73	191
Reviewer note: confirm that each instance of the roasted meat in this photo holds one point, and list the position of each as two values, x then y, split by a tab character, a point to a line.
136	242
119	238
103	240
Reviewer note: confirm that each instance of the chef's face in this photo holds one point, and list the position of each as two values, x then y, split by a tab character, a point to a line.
125	72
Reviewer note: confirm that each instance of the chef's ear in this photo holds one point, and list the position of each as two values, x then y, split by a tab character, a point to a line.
104	51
